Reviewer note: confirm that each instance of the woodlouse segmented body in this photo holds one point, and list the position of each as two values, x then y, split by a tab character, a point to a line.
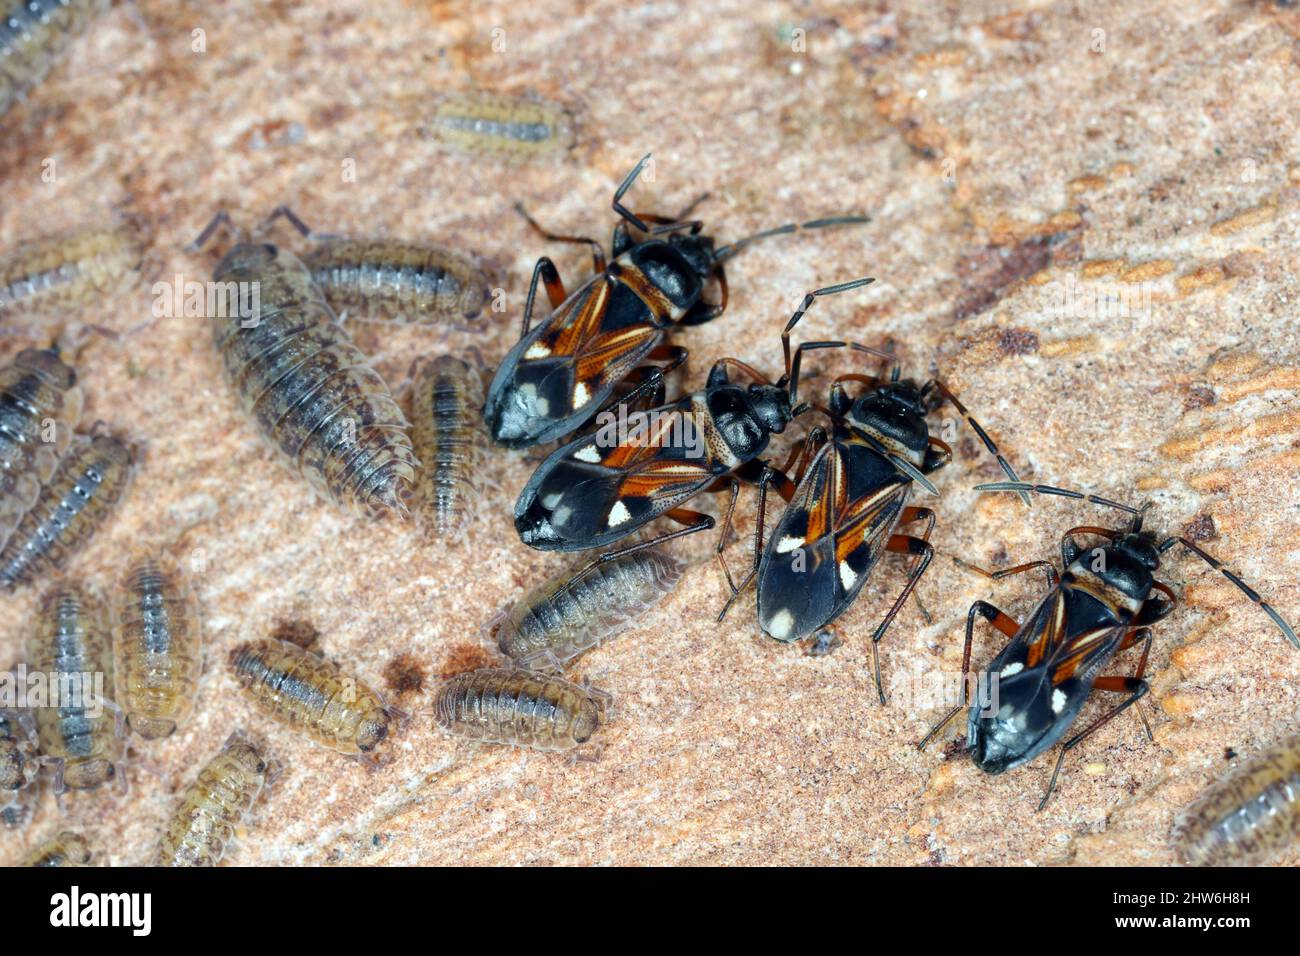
33	37
40	405
556	625
449	441
310	389
157	646
89	482
61	272
308	692
518	707
226	789
408	282
503	127
18	767
70	644
1249	817
66	849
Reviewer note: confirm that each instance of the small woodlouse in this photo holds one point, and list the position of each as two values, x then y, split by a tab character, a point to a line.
447	432
34	34
518	707
553	625
71	637
313	694
1250	816
63	272
66	849
200	830
312	391
40	405
18	767
157	645
89	482
503	127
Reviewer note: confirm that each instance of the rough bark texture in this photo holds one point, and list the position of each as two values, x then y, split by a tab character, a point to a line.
1014	162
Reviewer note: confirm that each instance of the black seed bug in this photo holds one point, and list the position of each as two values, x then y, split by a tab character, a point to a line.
846	501
315	396
1250	816
611	331
34	34
419	283
1100	605
602	487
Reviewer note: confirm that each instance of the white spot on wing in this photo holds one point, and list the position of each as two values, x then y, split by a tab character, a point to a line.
580	395
1010	669
588	453
788	543
848	577
537	351
781	625
618	514
1058	701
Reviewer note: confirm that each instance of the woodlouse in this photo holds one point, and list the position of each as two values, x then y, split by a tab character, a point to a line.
34	34
40	405
502	127
308	692
1250	816
448	436
201	828
417	283
555	623
518	707
311	390
157	645
18	767
70	644
82	494
49	275
66	849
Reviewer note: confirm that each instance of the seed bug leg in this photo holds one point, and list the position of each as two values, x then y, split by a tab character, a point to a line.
924	552
597	252
1053	577
1134	686
546	273
1000	620
910	514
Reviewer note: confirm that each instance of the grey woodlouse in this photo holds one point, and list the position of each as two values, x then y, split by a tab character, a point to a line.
157	645
520	708
554	623
34	34
18	767
447	431
313	694
310	389
511	128
416	283
82	494
1250	816
49	275
40	405
71	637
66	849
199	831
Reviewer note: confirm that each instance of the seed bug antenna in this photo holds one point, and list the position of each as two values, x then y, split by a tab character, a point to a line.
726	252
628	180
791	377
1021	486
1287	630
221	219
947	395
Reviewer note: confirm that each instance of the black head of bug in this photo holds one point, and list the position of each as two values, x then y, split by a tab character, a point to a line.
746	417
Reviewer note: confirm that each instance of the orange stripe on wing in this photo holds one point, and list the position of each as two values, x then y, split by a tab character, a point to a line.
591	312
